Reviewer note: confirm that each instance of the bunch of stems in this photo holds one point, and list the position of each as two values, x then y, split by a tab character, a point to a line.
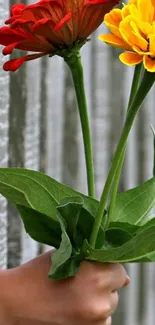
141	85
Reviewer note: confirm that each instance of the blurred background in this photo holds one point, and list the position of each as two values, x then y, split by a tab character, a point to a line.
39	129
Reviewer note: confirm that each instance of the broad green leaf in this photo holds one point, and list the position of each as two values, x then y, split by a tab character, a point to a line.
117	237
68	269
151	257
70	208
133	205
40	227
79	221
84	228
125	226
62	254
149	223
146	219
133	229
135	249
38	191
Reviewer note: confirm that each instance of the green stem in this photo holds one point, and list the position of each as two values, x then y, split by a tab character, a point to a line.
75	65
134	88
135	83
145	86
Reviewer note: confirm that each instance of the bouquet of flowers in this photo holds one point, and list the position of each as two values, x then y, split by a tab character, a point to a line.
118	227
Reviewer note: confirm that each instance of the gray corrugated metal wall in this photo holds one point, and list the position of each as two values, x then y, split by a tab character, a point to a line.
39	129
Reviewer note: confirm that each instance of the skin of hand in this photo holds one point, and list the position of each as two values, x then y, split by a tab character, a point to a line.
29	297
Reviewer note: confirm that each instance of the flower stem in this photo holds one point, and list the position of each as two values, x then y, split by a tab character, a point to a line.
75	65
145	86
134	88
135	82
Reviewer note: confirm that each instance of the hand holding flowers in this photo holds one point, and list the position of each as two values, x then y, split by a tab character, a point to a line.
117	228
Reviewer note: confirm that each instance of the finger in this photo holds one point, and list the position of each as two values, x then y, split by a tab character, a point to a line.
108	321
119	276
127	281
114	299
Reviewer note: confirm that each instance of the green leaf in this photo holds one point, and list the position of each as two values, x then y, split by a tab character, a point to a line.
40	227
133	205
38	191
70	208
133	229
135	249
68	269
79	221
84	227
151	257
125	226
117	237
62	254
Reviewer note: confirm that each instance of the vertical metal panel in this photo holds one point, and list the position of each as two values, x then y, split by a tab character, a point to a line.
70	147
43	114
32	141
101	113
17	111
55	90
4	103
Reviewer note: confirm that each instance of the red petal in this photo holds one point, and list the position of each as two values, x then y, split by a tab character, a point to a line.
96	2
15	64
63	21
9	36
16	9
21	21
9	49
42	21
43	9
12	19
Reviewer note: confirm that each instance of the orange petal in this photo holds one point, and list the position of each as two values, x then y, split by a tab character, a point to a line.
146	10
132	2
139	51
131	34
152	44
115	41
130	58
149	63
112	21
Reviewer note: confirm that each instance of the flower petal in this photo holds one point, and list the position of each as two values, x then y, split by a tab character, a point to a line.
146	10
115	41
16	9
15	64
61	23
130	58
131	34
152	44
149	63
9	48
112	21
9	36
139	51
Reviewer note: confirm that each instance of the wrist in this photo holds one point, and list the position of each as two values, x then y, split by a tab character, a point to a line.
6	313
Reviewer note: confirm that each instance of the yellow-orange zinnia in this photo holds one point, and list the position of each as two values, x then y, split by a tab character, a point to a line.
133	29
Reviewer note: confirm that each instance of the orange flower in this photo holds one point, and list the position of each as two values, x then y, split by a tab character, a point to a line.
133	29
50	27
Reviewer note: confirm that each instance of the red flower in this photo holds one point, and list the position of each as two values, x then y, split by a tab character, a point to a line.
50	26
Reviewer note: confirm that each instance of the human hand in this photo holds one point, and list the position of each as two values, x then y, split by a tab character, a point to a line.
88	298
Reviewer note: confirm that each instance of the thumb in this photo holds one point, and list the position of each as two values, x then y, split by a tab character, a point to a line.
127	281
